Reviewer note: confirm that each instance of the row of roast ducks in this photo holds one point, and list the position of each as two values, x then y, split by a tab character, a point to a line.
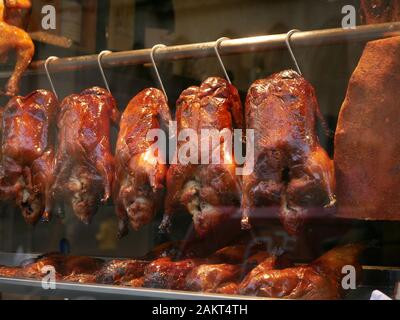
55	153
234	269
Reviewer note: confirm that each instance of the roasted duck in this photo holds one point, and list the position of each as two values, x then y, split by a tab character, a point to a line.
319	280
367	150
209	192
63	265
165	273
80	278
291	170
121	271
27	152
140	177
211	277
9	272
84	167
14	37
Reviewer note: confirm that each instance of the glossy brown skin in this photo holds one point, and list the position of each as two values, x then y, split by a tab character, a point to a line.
320	280
9	272
291	170
14	37
164	273
81	265
140	178
34	269
210	277
64	266
84	169
27	152
135	283
379	11
210	193
121	271
80	278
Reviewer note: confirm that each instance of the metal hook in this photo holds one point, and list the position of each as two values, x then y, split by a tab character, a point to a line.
99	57
287	40
153	50
46	68
216	47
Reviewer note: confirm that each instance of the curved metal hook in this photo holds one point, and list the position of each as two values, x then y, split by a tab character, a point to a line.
153	50
216	48
287	40
46	68
99	57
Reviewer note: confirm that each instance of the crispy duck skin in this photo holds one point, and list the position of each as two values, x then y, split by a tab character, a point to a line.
121	271
209	192
27	152
84	166
320	280
14	37
9	272
140	177
210	277
223	271
291	170
379	11
80	278
63	265
164	273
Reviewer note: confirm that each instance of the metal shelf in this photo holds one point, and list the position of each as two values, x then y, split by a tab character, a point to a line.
96	291
227	47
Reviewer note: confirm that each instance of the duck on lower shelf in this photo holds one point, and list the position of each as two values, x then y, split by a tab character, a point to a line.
231	270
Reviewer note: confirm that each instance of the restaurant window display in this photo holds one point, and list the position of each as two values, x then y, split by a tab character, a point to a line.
189	149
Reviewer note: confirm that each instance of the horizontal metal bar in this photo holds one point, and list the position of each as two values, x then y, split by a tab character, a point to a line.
228	47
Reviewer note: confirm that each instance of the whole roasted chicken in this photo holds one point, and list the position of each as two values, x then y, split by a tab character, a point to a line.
27	152
291	170
84	167
14	37
140	177
208	192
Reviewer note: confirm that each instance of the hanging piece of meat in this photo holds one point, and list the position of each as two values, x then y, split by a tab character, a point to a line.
84	168
320	280
208	192
367	148
291	170
14	37
379	11
27	149
140	177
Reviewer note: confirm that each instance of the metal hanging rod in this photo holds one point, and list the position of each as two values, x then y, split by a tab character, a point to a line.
227	47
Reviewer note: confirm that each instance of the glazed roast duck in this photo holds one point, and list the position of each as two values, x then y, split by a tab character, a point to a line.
84	164
210	193
13	14
27	152
292	171
227	271
140	178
